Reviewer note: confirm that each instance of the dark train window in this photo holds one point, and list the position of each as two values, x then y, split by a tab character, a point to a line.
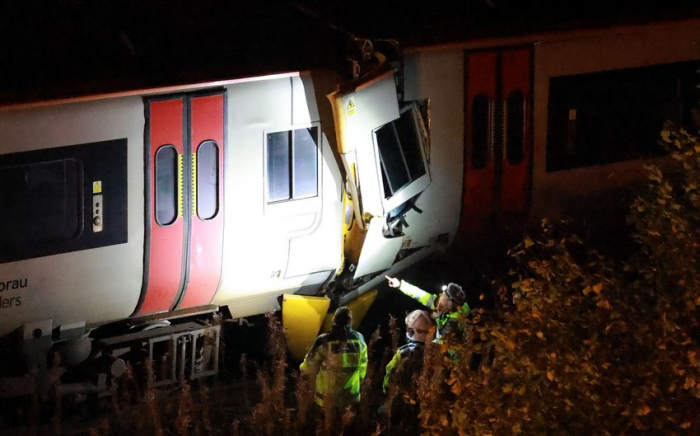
292	164
207	180
481	128
400	152
166	185
40	202
305	171
614	116
515	125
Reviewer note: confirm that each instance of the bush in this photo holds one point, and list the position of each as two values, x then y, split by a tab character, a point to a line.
588	345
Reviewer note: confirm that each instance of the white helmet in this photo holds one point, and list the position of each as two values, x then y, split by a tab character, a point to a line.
418	325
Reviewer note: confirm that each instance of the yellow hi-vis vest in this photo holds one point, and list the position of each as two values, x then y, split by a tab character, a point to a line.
454	321
338	360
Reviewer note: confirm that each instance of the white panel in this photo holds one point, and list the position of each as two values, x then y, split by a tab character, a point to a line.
438	76
258	237
369	107
305	109
319	251
378	252
95	285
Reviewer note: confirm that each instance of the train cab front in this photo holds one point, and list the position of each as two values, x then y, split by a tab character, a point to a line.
383	144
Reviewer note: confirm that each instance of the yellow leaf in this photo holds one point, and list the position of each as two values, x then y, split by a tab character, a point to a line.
507	389
481	297
697	302
644	410
689	382
685	425
597	288
550	375
540	335
604	304
528	242
586	290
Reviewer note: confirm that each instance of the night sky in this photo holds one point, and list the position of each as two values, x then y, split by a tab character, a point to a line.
62	48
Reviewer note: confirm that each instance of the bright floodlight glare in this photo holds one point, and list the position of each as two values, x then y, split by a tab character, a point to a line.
444	287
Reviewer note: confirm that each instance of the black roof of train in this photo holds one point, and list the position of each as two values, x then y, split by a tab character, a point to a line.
65	48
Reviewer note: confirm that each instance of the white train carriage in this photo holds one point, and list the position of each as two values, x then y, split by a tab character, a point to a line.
163	204
553	124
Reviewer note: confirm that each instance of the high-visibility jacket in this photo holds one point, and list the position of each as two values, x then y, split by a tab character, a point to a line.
338	361
454	321
407	361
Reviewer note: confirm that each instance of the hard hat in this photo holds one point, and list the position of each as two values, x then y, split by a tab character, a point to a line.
455	293
418	325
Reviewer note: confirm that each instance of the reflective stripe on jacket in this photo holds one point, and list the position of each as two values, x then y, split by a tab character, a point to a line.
338	360
445	322
407	361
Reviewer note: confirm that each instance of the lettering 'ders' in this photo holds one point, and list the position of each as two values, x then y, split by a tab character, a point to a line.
6	303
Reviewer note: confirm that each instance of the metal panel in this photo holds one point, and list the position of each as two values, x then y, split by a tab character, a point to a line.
479	177
514	191
206	243
378	252
164	259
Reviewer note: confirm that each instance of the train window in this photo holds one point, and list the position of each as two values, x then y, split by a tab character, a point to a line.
613	116
207	180
166	185
305	173
40	202
515	125
402	157
481	128
400	152
292	164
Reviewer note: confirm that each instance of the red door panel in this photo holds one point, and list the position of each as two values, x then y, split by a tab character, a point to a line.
496	185
479	166
206	239
164	241
516	173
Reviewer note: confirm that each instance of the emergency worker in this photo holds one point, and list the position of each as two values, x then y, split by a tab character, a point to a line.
408	359
338	362
450	312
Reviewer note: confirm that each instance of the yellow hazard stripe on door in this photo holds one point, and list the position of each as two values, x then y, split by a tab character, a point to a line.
194	184
180	187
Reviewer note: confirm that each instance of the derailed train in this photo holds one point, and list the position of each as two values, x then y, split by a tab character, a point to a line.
155	209
163	206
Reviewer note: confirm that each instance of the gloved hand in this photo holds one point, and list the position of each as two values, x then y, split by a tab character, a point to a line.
393	282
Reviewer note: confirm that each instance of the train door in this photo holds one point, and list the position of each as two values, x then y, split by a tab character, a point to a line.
497	142
184	201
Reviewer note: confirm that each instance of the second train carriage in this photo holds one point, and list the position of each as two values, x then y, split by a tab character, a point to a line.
554	124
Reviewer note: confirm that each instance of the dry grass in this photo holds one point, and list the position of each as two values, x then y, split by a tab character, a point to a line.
267	398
